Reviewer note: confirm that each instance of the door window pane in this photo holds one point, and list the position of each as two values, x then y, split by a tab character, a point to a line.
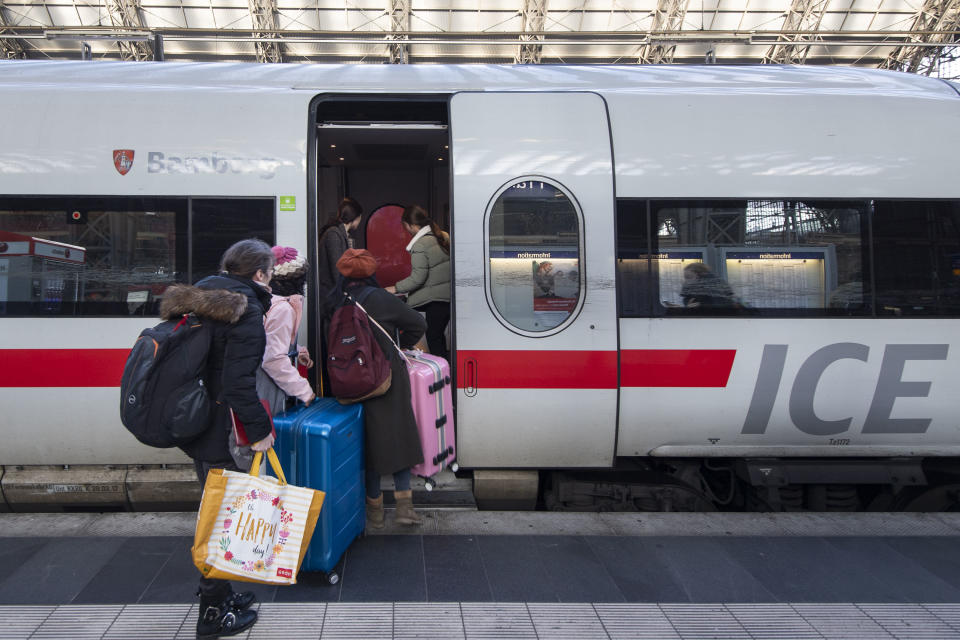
535	268
917	257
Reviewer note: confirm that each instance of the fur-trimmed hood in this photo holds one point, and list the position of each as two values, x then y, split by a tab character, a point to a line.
216	304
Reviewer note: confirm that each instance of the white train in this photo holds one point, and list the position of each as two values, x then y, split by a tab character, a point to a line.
807	359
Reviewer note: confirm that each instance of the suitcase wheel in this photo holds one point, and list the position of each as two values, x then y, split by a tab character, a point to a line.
454	467
428	484
333	577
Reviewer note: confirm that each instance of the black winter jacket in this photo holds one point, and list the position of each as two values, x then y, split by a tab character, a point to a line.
235	355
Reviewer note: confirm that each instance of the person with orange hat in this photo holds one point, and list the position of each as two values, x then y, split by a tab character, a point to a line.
391	439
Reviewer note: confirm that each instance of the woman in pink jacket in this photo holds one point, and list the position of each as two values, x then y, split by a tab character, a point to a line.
282	322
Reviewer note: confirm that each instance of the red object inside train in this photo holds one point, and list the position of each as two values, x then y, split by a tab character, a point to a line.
387	240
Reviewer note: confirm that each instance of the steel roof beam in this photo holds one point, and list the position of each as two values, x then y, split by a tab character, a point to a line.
793	48
125	14
9	47
399	12
667	17
264	16
934	18
534	16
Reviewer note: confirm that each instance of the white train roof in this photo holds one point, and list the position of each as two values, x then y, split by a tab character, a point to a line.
452	78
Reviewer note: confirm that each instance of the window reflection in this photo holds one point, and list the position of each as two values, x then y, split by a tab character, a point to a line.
535	277
113	256
771	257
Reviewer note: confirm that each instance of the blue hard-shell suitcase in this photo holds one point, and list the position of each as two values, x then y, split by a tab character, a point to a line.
321	447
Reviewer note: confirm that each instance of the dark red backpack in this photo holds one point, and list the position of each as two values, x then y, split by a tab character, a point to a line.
357	367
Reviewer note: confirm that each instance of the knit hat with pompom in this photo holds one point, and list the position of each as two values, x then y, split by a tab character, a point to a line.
288	263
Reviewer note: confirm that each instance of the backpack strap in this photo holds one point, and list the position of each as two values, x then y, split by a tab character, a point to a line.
363	296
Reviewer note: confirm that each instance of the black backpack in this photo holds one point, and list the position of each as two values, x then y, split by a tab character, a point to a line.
163	398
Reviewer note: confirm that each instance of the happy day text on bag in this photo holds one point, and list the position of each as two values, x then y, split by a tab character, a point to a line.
252	528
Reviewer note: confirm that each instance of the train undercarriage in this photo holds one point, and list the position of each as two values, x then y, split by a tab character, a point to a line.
636	484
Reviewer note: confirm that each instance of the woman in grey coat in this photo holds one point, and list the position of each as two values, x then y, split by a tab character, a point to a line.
334	240
428	285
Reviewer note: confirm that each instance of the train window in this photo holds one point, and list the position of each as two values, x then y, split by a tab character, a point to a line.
114	256
633	258
760	257
89	256
535	272
219	222
917	257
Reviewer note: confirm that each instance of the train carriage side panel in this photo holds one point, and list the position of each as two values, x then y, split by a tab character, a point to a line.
787	386
59	388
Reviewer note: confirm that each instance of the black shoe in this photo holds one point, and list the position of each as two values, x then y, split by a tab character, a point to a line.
217	622
241	600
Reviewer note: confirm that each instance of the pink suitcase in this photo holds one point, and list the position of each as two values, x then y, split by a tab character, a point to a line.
433	408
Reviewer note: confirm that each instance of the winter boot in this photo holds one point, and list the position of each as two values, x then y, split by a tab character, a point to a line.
405	512
375	512
218	620
241	600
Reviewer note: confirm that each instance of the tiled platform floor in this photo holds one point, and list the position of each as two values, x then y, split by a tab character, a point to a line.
515	621
511	568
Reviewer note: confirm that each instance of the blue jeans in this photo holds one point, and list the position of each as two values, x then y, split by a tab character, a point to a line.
401	479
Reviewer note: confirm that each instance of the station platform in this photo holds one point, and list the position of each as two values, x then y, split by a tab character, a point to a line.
472	574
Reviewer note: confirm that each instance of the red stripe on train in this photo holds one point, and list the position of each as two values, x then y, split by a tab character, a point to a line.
493	369
62	367
538	369
594	369
676	367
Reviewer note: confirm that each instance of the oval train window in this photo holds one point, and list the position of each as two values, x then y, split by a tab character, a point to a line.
534	246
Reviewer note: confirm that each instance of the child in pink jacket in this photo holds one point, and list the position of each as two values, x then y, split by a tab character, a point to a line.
281	323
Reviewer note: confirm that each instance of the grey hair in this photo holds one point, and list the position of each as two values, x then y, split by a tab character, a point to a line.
246	257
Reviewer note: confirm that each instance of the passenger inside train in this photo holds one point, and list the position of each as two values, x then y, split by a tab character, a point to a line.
427	288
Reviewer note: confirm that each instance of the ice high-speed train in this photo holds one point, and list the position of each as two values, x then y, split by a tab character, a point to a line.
675	287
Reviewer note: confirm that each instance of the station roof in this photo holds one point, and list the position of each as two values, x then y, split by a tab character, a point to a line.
910	35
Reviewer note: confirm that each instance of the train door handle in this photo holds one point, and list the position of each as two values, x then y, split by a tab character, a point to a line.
470	377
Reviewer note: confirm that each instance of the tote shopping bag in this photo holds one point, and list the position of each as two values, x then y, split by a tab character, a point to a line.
254	529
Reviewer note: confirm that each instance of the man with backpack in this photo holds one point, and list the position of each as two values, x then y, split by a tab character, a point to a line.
233	303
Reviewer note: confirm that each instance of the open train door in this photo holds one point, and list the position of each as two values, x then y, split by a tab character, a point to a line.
535	305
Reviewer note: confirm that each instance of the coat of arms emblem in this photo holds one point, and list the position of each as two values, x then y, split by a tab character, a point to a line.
123	160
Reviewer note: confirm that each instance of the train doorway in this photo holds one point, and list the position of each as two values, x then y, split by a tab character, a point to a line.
385	152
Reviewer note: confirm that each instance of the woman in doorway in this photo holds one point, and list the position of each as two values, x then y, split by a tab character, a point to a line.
428	285
391	439
334	240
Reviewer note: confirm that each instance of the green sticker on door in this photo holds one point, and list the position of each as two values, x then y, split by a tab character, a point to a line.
288	203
